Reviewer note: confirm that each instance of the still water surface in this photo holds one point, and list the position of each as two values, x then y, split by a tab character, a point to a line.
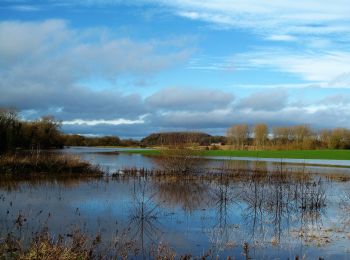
276	219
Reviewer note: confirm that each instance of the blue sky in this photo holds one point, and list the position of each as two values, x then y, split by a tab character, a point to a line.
130	68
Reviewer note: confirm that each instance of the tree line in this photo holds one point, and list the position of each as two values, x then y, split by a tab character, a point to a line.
241	136
181	138
45	133
80	140
39	134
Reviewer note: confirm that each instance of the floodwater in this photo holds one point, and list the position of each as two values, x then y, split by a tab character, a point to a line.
112	162
245	219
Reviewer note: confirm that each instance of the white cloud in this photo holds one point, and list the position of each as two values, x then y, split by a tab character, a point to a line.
316	68
281	37
310	66
269	17
51	51
120	121
42	65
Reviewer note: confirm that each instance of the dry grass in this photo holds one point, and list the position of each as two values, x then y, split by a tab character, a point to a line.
45	164
340	177
44	247
76	246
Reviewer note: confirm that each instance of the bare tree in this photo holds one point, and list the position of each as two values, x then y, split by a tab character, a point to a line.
238	135
282	135
300	133
339	139
261	132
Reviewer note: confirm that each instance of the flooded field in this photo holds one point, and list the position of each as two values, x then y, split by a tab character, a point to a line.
258	216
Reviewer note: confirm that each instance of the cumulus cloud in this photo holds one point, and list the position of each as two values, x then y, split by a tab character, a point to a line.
189	99
72	54
338	100
268	100
217	119
220	120
42	63
124	130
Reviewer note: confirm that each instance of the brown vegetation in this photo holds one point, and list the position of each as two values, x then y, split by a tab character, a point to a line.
71	246
45	164
238	135
176	138
79	140
261	135
287	138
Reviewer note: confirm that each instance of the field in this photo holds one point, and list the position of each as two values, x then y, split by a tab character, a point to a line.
290	154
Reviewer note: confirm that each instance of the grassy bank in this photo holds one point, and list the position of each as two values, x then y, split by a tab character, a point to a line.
286	154
45	164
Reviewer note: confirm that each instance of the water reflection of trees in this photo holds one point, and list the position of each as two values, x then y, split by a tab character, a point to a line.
177	191
272	205
143	226
344	204
273	208
222	233
10	184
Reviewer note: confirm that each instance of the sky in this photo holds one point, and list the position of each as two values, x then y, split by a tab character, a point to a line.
131	68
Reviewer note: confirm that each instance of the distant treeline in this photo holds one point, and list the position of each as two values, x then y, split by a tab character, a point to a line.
293	137
182	138
79	140
259	136
45	133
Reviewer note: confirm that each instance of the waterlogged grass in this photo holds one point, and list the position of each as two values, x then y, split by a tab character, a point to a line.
286	154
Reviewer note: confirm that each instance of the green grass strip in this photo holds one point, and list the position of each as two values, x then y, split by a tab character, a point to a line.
287	154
